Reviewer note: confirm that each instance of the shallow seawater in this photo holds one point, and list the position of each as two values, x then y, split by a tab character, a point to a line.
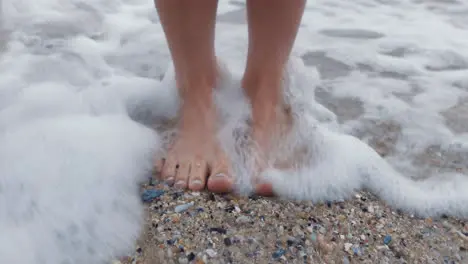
81	86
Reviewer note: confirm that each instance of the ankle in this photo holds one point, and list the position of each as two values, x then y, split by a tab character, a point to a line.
262	85
196	90
202	75
196	83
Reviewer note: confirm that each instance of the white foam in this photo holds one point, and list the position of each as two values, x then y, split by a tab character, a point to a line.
76	75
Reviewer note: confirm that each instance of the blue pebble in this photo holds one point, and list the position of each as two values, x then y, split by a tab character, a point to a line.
345	260
183	207
150	195
313	237
387	239
356	251
278	253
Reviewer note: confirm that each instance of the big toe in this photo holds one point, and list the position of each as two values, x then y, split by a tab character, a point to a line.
264	189
220	180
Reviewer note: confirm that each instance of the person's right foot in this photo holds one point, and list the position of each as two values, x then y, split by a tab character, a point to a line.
195	160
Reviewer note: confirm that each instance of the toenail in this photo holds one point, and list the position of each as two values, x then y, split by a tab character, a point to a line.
170	180
196	182
180	184
219	175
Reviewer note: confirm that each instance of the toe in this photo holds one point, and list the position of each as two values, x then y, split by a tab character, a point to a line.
169	170
198	175
220	180
264	189
159	164
182	175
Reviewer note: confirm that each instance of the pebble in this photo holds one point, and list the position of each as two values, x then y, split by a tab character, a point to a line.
345	260
347	246
382	247
243	219
357	251
227	241
191	256
218	230
151	194
313	237
278	253
182	260
211	253
183	207
387	239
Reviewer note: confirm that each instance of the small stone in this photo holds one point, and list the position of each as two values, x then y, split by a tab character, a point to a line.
387	239
191	256
313	237
149	195
243	219
322	230
345	260
347	246
200	260
291	241
357	251
229	209
183	207
278	253
182	260
219	230
227	241
382	247
211	253
324	246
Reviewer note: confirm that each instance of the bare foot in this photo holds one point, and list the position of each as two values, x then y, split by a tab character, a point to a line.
272	121
267	133
195	160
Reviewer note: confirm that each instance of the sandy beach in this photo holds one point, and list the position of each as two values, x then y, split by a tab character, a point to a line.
183	227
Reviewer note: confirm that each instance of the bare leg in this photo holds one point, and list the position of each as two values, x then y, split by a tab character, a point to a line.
273	26
189	27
